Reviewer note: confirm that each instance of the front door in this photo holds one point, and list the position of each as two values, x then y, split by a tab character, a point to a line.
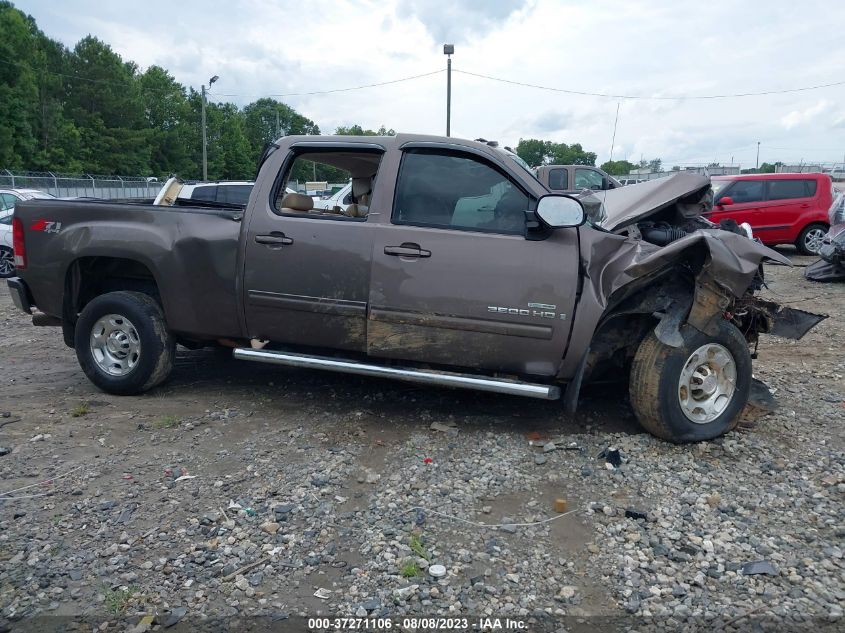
747	202
307	271
454	280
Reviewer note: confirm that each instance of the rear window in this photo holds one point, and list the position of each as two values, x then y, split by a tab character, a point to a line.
233	194
788	189
207	193
558	179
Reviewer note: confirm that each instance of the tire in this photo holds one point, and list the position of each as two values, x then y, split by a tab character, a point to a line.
667	408
134	351
7	262
810	239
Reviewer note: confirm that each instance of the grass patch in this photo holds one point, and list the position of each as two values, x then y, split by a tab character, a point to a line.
166	422
118	600
410	569
418	548
79	410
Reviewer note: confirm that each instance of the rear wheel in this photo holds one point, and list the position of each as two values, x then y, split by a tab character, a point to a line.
694	392
123	344
811	238
7	262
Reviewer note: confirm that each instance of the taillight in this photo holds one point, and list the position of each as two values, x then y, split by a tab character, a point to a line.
18	243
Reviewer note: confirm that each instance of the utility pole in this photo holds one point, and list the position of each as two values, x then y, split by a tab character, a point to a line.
204	131
758	156
448	51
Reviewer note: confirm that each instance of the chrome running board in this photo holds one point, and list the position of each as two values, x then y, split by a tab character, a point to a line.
422	376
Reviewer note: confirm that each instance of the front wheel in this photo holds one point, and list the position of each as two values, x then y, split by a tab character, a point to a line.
811	239
694	392
123	344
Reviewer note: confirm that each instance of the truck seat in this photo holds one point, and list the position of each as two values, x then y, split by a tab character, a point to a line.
296	203
361	191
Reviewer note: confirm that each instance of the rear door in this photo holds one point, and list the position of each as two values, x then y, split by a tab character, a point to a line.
788	201
454	279
307	271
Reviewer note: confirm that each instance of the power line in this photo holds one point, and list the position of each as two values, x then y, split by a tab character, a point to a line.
323	92
643	97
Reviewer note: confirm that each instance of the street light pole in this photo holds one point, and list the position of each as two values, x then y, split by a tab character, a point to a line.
758	156
204	133
448	50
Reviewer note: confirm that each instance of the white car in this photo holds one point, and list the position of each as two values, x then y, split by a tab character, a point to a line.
7	257
9	197
342	199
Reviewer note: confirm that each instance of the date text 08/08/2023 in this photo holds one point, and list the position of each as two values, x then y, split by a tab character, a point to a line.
416	623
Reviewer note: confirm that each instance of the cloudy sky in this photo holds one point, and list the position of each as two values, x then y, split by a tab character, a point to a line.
634	48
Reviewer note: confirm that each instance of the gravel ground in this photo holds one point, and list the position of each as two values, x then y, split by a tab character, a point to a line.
241	490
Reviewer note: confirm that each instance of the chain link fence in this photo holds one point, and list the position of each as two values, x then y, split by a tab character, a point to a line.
81	186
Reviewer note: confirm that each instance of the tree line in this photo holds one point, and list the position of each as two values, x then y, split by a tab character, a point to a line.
86	110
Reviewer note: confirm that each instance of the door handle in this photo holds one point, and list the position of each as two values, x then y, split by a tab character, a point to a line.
406	249
275	238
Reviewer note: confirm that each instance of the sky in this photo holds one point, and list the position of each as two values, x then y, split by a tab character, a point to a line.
637	49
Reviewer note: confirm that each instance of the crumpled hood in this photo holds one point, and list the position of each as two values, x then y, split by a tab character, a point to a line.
616	208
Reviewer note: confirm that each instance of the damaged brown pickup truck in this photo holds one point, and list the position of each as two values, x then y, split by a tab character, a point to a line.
454	266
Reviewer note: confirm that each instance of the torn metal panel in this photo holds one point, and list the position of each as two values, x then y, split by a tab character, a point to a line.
831	265
783	320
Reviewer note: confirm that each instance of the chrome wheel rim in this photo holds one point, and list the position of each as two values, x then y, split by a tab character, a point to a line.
707	384
115	345
7	262
813	240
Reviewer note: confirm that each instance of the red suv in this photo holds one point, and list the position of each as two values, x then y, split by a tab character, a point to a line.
781	208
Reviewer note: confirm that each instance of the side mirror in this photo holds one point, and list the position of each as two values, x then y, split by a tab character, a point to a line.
557	212
725	201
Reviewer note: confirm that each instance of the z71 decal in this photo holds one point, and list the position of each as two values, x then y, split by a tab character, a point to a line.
46	226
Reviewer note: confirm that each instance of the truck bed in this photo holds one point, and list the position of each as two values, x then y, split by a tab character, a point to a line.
190	251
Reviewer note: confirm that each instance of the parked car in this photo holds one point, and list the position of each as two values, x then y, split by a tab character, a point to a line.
219	193
630	181
575	178
540	291
781	208
10	197
7	257
340	199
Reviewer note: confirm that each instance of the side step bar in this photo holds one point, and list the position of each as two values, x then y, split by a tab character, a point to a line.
422	376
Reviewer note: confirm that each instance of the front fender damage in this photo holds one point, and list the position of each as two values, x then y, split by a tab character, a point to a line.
704	277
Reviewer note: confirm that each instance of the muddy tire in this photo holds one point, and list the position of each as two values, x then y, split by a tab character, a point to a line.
694	392
123	344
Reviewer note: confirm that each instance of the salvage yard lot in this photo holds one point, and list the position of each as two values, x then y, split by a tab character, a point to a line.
343	485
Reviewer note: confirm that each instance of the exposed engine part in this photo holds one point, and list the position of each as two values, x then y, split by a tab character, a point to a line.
660	233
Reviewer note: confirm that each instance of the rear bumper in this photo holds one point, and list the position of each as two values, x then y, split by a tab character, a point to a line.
21	296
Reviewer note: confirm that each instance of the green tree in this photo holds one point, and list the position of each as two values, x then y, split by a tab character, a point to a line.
238	161
357	130
655	164
618	167
536	152
167	114
104	103
18	89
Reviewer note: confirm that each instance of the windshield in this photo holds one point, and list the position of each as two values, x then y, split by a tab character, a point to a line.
718	185
525	166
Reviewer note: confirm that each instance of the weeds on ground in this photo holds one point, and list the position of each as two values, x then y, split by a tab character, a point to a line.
166	422
118	600
79	410
418	548
410	569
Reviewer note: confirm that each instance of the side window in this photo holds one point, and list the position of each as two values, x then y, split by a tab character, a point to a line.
457	192
558	179
811	187
588	179
204	194
360	167
7	219
787	189
745	191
